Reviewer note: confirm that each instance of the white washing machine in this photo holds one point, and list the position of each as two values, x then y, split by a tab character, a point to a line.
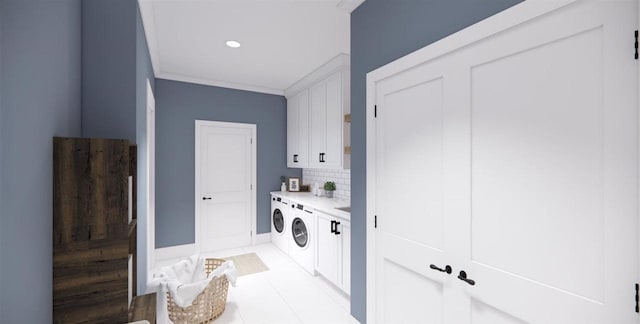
280	223
302	237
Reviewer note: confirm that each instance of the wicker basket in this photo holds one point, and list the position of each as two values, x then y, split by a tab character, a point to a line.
208	305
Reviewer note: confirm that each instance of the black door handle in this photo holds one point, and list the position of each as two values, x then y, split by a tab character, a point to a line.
333	223
336	231
295	158
446	269
206	198
463	276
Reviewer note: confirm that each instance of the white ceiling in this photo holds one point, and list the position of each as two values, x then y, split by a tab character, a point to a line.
282	40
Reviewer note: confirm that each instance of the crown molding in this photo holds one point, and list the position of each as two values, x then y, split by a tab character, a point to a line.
219	83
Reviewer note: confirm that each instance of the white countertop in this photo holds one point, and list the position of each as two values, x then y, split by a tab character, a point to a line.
322	204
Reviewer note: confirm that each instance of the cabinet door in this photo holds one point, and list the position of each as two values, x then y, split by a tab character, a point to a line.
345	241
303	130
516	171
326	256
334	123
293	140
318	124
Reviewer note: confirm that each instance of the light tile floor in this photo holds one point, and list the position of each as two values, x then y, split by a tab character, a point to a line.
284	294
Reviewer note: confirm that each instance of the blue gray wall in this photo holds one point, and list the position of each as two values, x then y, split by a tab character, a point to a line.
2	9
381	32
178	105
115	69
1	160
40	50
109	68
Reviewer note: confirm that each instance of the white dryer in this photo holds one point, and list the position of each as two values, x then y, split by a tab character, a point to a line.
302	237
280	223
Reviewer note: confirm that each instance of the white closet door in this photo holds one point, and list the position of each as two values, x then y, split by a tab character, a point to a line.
553	155
409	186
515	160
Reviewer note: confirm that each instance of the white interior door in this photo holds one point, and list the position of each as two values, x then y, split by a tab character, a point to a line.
225	174
513	159
409	201
552	214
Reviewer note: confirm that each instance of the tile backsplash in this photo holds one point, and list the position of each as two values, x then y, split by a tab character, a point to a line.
342	178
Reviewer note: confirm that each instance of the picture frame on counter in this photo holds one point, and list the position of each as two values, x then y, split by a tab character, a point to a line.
294	184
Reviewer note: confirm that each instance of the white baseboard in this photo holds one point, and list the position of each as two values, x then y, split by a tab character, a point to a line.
263	238
174	252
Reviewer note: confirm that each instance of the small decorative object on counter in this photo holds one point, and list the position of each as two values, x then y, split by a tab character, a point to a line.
283	186
329	188
294	184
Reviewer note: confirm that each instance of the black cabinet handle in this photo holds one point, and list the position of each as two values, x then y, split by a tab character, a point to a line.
463	276
333	223
446	269
295	158
322	158
337	232
206	198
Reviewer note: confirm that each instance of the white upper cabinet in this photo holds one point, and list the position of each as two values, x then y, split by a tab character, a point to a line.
317	135
298	130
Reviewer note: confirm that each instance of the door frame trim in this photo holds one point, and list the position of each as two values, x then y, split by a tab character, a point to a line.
254	157
502	21
150	184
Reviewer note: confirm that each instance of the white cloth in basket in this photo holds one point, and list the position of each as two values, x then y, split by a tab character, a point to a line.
186	280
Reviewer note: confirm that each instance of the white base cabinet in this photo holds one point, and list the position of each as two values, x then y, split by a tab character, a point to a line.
333	255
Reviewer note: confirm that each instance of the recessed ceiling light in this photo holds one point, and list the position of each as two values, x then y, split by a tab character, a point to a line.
233	44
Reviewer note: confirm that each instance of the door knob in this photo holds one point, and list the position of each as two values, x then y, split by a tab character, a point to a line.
463	276
206	198
446	269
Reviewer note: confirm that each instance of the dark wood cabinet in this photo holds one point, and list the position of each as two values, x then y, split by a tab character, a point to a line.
91	230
